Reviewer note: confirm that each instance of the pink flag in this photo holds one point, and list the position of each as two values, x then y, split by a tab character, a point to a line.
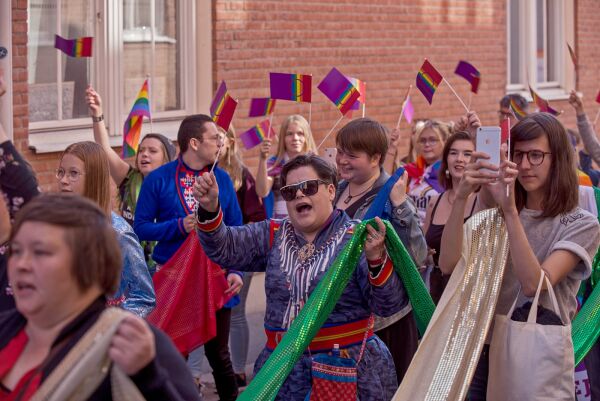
409	111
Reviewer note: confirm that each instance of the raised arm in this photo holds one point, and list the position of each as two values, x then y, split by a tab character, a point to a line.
118	167
588	136
264	183
392	153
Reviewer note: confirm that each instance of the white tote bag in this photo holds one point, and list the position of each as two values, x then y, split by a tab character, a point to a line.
530	361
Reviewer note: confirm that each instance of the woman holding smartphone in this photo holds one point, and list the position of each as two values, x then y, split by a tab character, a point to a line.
547	231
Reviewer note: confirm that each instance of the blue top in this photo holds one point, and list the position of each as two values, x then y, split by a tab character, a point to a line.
135	292
166	198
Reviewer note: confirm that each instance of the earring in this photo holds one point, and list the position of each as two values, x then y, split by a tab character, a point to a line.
447	173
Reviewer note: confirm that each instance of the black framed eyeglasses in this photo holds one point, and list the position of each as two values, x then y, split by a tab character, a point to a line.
308	188
535	157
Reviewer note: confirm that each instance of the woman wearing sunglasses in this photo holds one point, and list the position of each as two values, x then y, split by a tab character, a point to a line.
547	231
295	254
362	145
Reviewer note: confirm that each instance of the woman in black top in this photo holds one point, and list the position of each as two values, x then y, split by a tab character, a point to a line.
456	155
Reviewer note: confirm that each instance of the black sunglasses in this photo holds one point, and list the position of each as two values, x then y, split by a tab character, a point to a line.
308	188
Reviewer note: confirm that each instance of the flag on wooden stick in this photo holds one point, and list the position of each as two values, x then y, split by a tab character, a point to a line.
470	73
222	107
339	90
294	87
428	80
133	124
79	47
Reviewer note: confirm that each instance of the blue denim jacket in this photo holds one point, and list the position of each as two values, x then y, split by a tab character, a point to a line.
136	291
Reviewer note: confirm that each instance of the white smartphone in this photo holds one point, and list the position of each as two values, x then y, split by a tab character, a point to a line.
329	155
488	141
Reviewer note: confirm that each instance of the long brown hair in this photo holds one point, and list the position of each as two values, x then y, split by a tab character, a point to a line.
309	144
446	182
561	192
97	178
231	161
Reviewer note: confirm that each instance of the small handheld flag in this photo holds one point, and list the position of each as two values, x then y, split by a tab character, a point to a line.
80	47
261	107
133	124
362	89
470	73
222	107
428	80
339	90
294	87
543	104
408	110
517	111
255	135
505	130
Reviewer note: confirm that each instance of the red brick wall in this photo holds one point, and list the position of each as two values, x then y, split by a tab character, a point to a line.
382	42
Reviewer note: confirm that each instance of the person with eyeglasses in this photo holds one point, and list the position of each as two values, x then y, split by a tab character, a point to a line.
547	231
295	254
83	170
165	213
362	146
505	111
428	139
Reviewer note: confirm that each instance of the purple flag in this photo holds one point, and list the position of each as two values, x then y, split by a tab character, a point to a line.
219	99
339	90
261	107
470	73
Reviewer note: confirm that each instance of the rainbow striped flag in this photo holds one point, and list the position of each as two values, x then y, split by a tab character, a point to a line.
262	106
517	111
362	89
222	107
80	47
339	90
295	87
543	104
133	124
470	73
428	80
255	135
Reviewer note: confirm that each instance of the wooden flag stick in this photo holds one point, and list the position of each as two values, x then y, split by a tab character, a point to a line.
470	100
150	100
270	125
309	113
330	131
596	119
508	156
456	94
216	158
364	109
403	106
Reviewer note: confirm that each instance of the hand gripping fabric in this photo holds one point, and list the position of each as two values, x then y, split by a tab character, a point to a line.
378	206
266	384
189	290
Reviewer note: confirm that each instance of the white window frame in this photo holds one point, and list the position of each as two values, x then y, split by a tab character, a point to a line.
6	101
108	77
555	90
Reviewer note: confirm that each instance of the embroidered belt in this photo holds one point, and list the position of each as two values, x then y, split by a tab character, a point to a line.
345	335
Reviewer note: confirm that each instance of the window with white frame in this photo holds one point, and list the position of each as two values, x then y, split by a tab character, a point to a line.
133	40
538	33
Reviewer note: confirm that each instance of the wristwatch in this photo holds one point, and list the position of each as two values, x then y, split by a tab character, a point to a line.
98	119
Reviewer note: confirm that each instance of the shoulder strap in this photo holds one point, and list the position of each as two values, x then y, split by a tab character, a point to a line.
437	202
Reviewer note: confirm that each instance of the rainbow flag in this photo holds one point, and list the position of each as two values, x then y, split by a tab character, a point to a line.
80	47
362	88
295	87
255	135
262	106
543	104
470	73
133	124
339	90
428	80
222	107
517	111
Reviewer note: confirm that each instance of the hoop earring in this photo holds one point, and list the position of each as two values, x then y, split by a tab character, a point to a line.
447	173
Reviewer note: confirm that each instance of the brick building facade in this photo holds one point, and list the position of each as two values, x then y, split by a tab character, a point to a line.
382	42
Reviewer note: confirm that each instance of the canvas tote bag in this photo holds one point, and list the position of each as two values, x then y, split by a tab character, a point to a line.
530	361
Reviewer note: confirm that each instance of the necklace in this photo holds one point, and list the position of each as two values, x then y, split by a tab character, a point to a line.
306	251
350	196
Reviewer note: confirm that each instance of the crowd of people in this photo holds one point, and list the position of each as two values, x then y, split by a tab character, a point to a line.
77	266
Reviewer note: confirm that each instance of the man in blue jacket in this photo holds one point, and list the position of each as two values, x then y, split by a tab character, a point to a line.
165	212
